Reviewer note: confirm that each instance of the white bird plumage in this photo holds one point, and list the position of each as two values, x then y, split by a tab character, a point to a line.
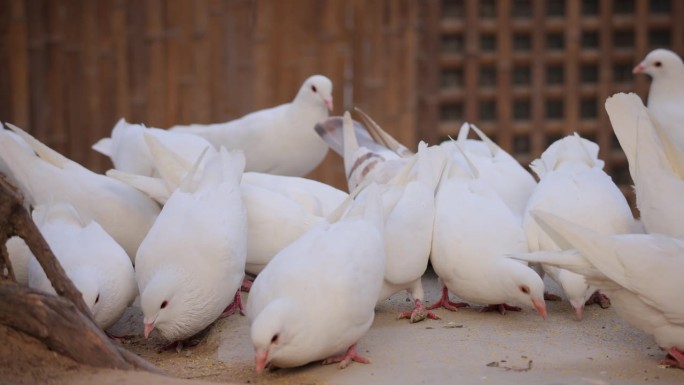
574	186
279	140
317	297
641	273
129	152
191	264
495	167
47	176
473	231
99	268
656	167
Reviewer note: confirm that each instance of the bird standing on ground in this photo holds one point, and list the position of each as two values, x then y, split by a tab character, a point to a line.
473	231
191	264
573	185
279	140
316	298
99	268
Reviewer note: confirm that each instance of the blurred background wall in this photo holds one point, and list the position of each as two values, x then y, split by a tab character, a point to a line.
525	71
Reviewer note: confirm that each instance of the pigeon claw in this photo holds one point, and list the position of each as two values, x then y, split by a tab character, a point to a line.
445	303
346	358
600	299
418	313
234	306
675	358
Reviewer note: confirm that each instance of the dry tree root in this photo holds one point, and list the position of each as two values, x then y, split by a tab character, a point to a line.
63	322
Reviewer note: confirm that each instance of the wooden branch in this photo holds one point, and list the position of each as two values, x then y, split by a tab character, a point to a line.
15	220
64	322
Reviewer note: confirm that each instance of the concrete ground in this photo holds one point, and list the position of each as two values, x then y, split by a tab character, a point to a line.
464	347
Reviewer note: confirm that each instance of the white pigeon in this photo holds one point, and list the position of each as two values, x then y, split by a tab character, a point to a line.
656	166
279	140
191	264
409	211
47	176
316	298
666	94
495	167
407	198
473	231
99	268
130	153
641	273
573	185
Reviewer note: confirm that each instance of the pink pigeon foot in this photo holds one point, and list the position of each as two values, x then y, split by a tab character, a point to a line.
551	297
445	303
346	358
675	357
501	308
418	313
600	299
246	285
235	305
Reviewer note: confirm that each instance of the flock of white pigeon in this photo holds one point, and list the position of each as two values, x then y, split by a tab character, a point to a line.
188	211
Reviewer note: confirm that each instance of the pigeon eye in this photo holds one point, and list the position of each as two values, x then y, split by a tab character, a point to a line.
274	340
314	89
658	64
97	299
525	289
163	305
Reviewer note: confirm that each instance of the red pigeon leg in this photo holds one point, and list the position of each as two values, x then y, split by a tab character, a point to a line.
675	357
346	358
235	305
445	303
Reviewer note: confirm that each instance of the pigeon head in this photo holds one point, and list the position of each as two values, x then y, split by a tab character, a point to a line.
576	289
661	64
161	303
317	89
273	332
523	285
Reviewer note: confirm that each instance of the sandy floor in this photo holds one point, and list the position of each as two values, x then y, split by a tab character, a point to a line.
464	347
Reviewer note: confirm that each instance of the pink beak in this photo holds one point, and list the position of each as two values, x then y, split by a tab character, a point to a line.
148	328
329	104
578	312
261	358
639	69
540	305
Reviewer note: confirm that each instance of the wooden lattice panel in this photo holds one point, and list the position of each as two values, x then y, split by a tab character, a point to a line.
531	71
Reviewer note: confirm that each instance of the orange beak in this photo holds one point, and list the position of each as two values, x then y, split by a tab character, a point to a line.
329	103
639	69
540	306
148	328
261	358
